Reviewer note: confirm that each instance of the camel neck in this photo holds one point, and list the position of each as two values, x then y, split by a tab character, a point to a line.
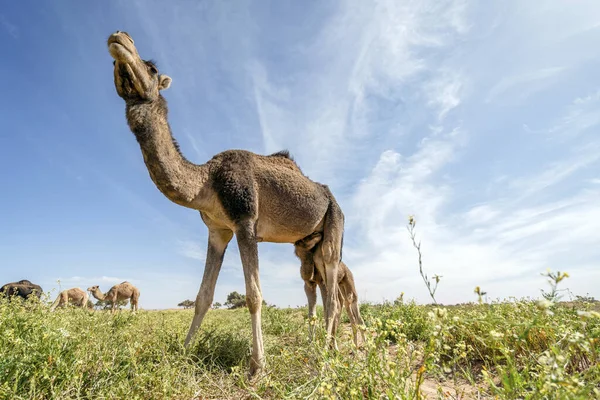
177	178
99	295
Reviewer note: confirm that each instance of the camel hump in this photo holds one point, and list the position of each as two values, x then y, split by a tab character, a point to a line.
282	153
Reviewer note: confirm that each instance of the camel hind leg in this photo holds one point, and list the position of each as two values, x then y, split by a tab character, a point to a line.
59	301
330	256
134	300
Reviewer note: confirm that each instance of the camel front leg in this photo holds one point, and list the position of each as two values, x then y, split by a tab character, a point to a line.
331	328
323	290
86	297
338	314
113	308
336	319
249	255
354	311
310	288
217	244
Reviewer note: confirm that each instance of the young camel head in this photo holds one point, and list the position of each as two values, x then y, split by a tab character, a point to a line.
135	79
94	289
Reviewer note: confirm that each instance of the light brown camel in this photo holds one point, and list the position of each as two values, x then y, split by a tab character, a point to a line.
257	198
306	250
75	296
120	292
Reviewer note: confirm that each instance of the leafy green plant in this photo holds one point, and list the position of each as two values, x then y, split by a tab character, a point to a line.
518	349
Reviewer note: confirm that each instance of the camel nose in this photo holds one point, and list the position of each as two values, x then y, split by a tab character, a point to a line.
124	33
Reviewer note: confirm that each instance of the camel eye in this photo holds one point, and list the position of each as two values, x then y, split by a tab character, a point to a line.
114	62
153	70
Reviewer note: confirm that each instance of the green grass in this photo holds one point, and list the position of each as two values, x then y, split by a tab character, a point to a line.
507	350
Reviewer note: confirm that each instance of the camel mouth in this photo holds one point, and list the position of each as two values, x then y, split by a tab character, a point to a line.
121	47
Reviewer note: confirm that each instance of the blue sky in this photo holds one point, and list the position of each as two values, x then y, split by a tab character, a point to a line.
480	118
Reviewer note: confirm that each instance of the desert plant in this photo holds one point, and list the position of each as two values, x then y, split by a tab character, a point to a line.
429	282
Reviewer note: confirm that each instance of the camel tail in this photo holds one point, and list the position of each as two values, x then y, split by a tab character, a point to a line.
53	306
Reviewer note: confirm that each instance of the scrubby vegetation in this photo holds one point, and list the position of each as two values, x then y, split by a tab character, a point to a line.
509	350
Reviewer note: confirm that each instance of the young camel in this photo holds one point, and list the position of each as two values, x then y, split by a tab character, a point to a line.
119	292
258	198
305	250
75	296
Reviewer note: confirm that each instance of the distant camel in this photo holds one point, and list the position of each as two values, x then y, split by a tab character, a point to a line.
347	296
75	296
120	292
22	288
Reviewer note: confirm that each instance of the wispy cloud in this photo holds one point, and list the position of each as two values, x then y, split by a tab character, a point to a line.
192	249
10	28
525	84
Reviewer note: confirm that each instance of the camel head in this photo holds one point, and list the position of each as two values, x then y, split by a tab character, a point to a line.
93	289
135	79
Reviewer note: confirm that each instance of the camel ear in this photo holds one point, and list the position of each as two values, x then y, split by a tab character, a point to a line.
164	81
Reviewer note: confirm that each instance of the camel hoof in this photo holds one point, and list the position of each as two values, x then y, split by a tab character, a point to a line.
256	370
333	344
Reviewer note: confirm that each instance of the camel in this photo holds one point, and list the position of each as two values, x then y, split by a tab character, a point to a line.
75	296
22	288
259	198
305	250
119	292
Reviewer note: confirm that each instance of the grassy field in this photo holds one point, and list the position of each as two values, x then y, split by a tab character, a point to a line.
507	350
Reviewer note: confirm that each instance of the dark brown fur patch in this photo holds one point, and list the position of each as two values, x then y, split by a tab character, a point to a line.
232	180
282	153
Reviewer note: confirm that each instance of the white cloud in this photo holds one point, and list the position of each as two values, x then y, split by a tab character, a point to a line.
525	84
192	249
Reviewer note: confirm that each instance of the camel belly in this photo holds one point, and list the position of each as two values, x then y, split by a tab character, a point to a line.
273	232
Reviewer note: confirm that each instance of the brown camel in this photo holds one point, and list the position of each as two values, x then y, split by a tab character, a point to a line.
75	296
22	288
258	198
119	292
305	250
